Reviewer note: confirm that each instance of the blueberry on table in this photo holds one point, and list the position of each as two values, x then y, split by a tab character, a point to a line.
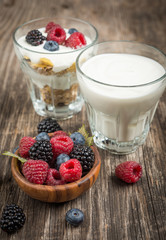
72	30
74	217
42	136
62	158
77	138
51	46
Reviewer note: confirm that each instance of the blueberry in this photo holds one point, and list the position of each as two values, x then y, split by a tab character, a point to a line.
61	159
72	30
42	136
77	138
51	46
74	216
15	149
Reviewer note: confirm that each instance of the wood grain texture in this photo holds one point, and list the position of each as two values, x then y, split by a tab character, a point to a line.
113	210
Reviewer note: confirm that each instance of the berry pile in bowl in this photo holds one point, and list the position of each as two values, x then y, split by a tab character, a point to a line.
55	166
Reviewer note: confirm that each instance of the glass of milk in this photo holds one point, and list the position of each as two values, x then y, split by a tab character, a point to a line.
51	76
121	83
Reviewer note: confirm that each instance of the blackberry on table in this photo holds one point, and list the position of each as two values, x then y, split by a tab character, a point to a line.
35	37
48	125
41	150
85	156
12	218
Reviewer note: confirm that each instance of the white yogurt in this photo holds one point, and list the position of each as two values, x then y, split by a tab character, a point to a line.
121	113
61	59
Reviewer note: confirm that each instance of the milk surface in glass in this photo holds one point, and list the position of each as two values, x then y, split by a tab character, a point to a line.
118	108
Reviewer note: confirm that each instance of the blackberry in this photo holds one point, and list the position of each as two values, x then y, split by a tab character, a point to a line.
85	156
48	125
41	150
12	218
35	37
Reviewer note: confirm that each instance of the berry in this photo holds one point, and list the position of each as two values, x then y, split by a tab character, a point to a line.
129	171
12	218
48	125
35	171
72	30
57	34
75	40
42	136
85	156
77	138
50	25
61	144
59	133
35	37
41	150
71	170
54	178
51	46
61	159
24	146
74	217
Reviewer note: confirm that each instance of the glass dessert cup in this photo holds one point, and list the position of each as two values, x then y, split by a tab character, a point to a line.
51	76
120	115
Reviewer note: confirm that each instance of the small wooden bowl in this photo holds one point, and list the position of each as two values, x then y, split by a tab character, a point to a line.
59	193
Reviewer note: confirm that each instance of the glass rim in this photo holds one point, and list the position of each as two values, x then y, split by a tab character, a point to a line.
119	86
52	53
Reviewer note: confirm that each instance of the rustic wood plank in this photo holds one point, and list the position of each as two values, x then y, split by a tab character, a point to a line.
113	209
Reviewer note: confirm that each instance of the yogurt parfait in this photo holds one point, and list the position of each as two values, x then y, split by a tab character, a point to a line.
47	49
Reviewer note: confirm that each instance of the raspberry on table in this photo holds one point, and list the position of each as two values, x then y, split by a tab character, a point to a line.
129	171
12	218
42	150
71	170
25	144
85	156
57	34
61	144
54	178
35	171
74	217
48	125
75	40
50	25
35	37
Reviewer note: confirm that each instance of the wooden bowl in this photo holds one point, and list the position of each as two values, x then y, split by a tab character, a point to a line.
59	193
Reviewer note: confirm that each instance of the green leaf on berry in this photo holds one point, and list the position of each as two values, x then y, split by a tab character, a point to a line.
23	160
88	140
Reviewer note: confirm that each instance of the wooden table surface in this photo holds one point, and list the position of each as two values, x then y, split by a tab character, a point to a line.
113	210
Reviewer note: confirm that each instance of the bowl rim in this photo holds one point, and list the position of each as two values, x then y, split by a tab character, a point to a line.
19	176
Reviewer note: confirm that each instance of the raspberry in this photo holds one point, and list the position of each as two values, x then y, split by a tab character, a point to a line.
61	144
57	34
50	25
54	178
71	170
59	133
75	40
24	146
129	171
35	171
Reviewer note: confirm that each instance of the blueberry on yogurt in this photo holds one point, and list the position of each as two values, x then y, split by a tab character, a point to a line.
51	46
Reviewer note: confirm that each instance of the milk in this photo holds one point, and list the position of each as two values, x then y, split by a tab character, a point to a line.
118	108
